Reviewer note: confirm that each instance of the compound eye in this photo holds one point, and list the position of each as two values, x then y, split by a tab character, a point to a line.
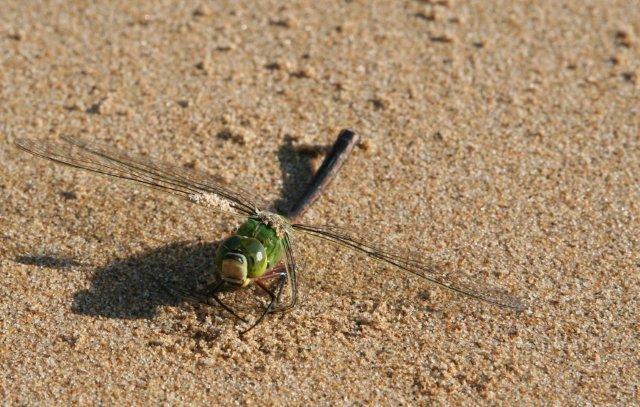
256	258
257	255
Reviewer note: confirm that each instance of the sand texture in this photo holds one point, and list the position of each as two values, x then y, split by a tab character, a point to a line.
500	140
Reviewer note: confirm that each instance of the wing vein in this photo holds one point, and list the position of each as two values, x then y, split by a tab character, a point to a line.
407	263
105	160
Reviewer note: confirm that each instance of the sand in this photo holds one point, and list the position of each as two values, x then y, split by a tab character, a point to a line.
500	141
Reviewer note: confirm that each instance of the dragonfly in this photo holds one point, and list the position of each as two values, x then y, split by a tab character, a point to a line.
261	251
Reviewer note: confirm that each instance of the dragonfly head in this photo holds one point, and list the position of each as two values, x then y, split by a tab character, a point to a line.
240	259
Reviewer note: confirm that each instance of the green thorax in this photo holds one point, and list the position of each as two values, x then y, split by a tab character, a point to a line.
267	236
245	241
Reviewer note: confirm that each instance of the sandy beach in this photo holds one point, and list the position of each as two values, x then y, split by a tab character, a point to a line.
499	140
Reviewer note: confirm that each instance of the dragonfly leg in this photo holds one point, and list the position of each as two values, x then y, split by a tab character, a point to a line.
274	299
265	289
212	289
269	277
201	297
278	271
274	272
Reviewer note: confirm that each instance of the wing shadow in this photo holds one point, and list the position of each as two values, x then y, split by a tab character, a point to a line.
47	261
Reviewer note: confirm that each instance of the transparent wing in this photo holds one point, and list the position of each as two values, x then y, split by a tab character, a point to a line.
292	276
106	160
413	264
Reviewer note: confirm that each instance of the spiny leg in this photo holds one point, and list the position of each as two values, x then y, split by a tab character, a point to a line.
274	272
265	289
274	299
201	298
279	270
212	289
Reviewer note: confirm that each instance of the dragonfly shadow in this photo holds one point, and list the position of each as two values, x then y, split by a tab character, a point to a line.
296	165
134	288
